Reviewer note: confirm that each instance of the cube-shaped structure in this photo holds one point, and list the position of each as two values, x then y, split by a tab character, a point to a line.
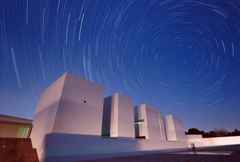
72	118
149	122
118	116
71	105
174	128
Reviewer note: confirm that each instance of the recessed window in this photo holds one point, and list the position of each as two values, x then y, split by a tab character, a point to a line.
140	137
139	121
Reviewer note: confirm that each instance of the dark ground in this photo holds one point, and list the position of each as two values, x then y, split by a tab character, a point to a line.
190	156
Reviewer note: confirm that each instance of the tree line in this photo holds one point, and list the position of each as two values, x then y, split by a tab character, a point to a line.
216	132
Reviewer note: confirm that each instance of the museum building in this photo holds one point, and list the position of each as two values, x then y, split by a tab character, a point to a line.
73	120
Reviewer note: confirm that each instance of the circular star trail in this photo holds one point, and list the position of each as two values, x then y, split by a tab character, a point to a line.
182	57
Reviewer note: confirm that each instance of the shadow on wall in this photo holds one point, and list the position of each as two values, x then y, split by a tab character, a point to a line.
70	147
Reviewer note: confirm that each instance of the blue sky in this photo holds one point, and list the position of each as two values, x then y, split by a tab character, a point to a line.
182	57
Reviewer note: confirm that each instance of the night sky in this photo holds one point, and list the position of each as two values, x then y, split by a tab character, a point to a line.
181	56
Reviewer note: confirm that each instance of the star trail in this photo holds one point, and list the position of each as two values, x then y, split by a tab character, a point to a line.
182	57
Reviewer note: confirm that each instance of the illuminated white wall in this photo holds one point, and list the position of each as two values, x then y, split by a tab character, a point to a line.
174	128
71	105
118	116
45	114
80	108
152	127
213	141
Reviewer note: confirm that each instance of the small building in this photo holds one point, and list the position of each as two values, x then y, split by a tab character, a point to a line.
13	127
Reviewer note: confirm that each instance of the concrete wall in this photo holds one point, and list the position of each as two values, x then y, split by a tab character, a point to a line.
209	142
152	127
80	108
45	115
125	116
155	123
67	147
154	144
118	116
174	128
71	105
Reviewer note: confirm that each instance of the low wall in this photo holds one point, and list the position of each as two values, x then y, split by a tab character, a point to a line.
214	141
72	147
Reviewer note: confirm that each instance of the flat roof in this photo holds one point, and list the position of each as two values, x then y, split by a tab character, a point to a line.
12	119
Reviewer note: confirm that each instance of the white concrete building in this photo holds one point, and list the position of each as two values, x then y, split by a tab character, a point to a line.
72	122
